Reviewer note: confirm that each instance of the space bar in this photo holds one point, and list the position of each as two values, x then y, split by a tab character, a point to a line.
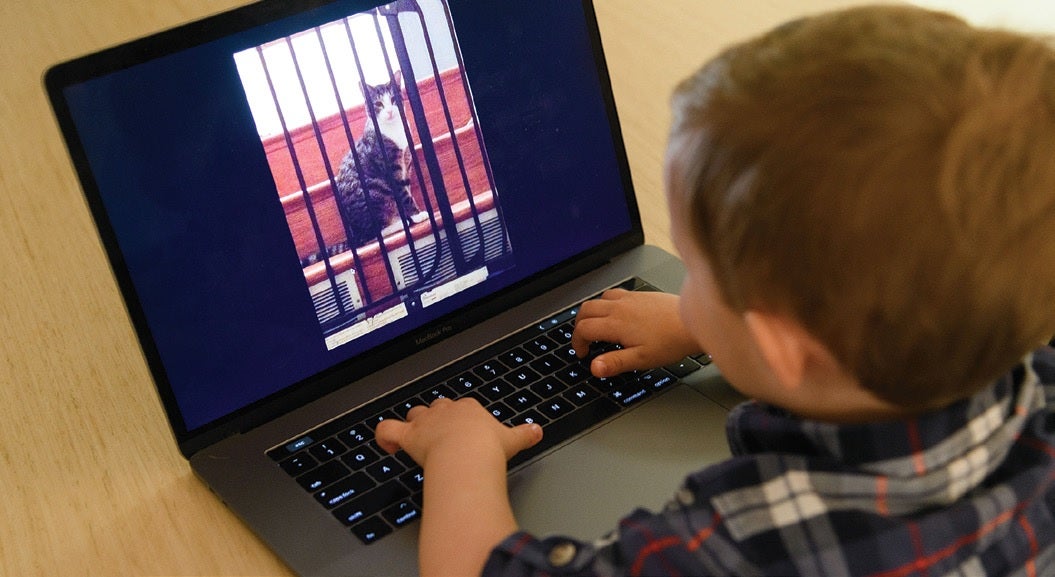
568	426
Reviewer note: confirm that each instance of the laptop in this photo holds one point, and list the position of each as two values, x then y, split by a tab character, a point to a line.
322	213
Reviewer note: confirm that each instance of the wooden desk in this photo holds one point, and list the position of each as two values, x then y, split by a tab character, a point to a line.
91	482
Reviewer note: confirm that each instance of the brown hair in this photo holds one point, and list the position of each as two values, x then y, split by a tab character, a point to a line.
886	175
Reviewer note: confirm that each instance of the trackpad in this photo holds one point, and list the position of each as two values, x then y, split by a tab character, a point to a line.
639	459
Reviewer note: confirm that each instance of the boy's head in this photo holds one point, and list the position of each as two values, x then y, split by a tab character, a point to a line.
886	177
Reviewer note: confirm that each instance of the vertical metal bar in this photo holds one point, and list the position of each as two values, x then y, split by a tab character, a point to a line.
450	127
308	205
356	260
394	31
414	95
411	87
476	128
429	210
431	160
317	132
377	130
311	112
336	91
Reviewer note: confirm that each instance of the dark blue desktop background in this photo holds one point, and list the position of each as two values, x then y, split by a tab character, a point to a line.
179	166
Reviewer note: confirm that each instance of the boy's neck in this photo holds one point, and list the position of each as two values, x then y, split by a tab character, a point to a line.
841	399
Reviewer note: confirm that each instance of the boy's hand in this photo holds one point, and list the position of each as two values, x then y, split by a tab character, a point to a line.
463	450
463	424
647	325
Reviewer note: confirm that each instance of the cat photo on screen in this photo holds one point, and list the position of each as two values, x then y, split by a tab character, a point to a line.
373	185
379	163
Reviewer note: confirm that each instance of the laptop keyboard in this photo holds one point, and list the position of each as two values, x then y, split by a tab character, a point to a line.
533	376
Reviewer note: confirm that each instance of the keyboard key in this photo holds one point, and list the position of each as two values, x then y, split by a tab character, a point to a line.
658	379
579	395
361	507
343	490
372	422
289	448
496	390
414	479
360	456
629	393
548	364
528	417
438	392
299	444
357	435
540	346
403	408
401	513
406	459
385	469
464	383
299	463
322	476
515	357
683	368
567	354
607	383
599	348
522	400
573	374
522	377
500	410
490	370
327	449
562	334
548	387
556	408
371	530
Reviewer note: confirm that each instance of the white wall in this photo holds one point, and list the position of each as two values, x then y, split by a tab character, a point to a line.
1036	16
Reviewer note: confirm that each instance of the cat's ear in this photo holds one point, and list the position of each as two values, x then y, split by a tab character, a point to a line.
397	79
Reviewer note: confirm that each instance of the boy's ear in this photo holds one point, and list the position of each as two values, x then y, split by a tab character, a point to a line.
785	345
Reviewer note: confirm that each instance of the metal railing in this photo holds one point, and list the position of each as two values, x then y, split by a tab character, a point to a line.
455	249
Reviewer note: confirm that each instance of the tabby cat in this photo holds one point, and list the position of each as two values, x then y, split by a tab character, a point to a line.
371	197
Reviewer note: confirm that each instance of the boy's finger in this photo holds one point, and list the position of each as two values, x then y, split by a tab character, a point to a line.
588	323
579	341
617	362
389	435
413	412
606	365
589	330
524	437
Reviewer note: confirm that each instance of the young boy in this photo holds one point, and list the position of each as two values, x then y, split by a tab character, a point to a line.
865	205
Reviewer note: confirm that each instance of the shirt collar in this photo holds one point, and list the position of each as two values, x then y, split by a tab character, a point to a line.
992	418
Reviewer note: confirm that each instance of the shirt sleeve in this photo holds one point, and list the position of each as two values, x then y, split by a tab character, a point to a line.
644	543
522	555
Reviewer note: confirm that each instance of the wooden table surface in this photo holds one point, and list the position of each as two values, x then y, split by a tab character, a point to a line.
91	482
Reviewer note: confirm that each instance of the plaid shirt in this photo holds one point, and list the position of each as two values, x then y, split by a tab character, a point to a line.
967	490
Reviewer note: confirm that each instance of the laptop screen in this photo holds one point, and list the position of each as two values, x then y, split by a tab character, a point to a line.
316	187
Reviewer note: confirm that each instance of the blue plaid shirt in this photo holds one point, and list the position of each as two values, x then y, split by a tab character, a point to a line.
967	490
